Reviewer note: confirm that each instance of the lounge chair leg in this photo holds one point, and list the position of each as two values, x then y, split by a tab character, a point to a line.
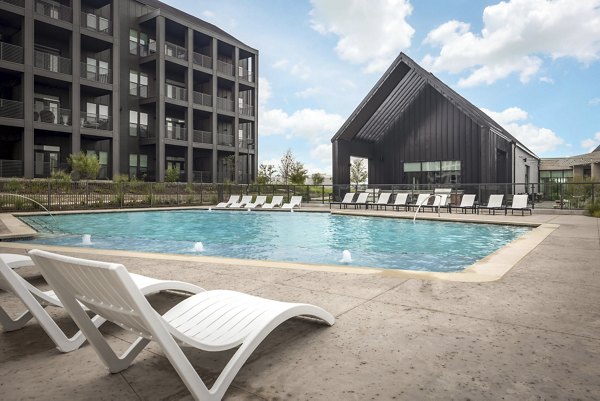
9	324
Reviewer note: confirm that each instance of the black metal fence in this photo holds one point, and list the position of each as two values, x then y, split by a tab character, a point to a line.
28	195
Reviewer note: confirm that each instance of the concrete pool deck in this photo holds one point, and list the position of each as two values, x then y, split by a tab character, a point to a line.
533	334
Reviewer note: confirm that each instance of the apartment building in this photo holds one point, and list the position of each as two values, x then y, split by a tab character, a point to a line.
140	84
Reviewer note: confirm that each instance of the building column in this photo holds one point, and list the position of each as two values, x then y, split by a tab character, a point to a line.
255	124
28	91
236	108
214	112
596	171
189	160
160	99
76	86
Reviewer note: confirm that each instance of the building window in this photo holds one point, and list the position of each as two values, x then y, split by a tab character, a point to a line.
133	82
175	128
437	172
133	123
138	83
133	163
133	42
138	124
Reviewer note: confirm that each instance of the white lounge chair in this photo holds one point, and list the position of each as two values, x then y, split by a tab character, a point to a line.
259	201
232	199
345	202
439	201
400	201
245	200
361	200
296	201
519	202
277	201
209	321
36	300
494	203
383	201
422	200
467	203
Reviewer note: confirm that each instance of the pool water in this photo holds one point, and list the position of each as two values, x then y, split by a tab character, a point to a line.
317	238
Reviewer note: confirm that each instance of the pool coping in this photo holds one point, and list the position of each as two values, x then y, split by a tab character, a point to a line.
491	268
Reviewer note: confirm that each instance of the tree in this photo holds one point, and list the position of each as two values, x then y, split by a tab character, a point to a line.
85	166
171	175
298	174
317	179
286	164
358	172
265	174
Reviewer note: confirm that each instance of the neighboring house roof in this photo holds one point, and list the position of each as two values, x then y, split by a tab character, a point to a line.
394	92
566	163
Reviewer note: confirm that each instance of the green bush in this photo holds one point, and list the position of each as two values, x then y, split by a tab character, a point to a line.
171	175
85	166
594	209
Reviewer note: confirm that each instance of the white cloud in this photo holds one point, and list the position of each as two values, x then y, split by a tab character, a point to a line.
591	143
208	14
595	101
370	32
299	69
264	92
314	125
515	37
309	92
546	80
280	64
538	139
322	153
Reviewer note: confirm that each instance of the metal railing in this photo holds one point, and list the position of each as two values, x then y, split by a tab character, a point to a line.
52	62
10	52
202	60
201	176
224	67
176	132
247	110
225	104
225	139
247	143
96	73
11	168
54	10
202	136
145	91
146	49
56	117
96	23
18	3
176	92
245	75
95	121
11	108
203	99
173	50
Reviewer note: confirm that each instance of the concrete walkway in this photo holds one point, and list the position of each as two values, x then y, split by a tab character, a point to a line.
533	335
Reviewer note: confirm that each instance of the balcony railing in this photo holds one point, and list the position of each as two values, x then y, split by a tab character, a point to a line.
176	92
11	108
96	23
18	3
202	60
247	110
146	49
201	176
96	121
54	10
176	51
245	75
52	62
176	132
224	67
56	116
246	143
225	104
225	139
10	52
11	168
93	72
203	136
203	98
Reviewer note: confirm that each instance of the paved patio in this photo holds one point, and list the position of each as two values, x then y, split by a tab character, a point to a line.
534	334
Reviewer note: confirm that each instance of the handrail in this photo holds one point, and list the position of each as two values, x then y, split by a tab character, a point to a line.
425	201
202	60
11	52
52	62
95	22
173	50
96	73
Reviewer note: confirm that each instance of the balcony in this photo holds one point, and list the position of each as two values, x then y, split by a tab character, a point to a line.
54	10
225	68
52	62
245	75
172	50
176	92
225	139
176	132
247	110
18	3
11	53
96	23
246	143
11	108
11	168
202	60
225	104
54	116
203	137
96	121
145	49
203	99
96	73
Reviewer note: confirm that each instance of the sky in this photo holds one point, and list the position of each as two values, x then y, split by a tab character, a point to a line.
532	65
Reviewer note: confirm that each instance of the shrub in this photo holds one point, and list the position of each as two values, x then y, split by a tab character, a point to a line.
171	175
594	209
84	165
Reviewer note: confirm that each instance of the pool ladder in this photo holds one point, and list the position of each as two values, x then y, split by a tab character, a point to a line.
425	201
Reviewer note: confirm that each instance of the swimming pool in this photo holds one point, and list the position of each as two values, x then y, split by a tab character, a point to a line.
317	238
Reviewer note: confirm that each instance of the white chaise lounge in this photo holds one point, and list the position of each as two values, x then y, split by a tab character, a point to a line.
232	199
296	201
383	200
422	200
35	300
277	201
361	200
494	203
345	202
467	203
245	200
401	201
519	203
258	202
209	321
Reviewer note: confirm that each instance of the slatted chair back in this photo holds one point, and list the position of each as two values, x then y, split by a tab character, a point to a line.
519	201
468	200
422	199
384	198
495	201
401	199
362	197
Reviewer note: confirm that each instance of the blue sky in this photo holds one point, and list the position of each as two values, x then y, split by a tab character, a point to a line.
533	65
